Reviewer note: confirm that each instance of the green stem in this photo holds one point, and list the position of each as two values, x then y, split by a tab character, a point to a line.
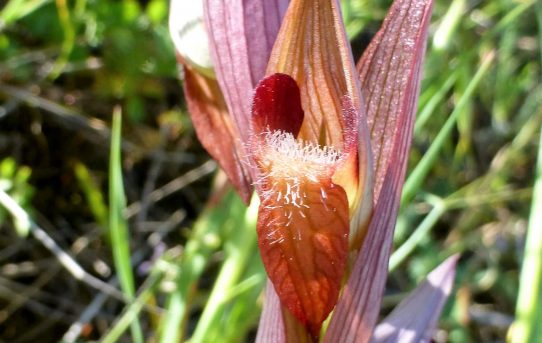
527	328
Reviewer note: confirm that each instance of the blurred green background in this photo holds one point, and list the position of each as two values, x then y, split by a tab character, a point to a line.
153	260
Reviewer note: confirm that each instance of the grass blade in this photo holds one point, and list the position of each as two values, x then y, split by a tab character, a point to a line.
120	239
131	312
418	235
527	328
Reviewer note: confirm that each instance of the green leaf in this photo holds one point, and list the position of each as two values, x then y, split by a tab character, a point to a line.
120	238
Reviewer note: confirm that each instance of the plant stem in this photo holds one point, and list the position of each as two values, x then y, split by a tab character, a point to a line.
527	329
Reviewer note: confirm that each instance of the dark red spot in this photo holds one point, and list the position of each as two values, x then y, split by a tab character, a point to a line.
277	105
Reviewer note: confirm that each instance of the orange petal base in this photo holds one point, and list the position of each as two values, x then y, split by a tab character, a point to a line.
303	239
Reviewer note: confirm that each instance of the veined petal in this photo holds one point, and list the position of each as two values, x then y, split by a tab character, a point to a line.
304	248
312	48
415	318
394	68
302	225
212	123
390	73
241	36
215	129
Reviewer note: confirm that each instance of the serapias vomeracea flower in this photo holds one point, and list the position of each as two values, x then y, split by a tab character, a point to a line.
325	145
303	219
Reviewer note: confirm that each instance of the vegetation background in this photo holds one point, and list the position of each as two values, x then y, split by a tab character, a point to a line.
113	237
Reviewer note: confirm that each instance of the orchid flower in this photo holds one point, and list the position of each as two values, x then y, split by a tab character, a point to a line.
325	145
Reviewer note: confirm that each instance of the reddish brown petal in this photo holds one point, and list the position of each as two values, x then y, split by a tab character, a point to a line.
303	240
395	70
312	47
295	331
214	128
277	105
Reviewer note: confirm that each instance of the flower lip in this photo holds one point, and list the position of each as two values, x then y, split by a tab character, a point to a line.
302	225
303	222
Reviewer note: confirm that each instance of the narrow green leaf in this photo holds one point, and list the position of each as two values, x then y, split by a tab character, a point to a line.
527	328
539	20
129	315
436	98
68	27
120	238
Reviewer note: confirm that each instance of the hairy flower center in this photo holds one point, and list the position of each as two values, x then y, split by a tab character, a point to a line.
288	166
284	157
